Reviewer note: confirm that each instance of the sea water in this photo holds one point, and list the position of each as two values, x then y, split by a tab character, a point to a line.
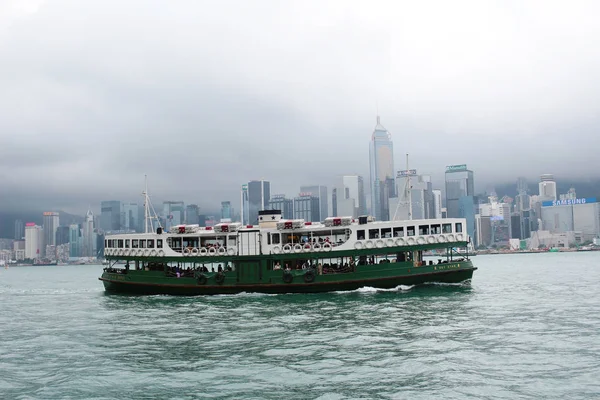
527	326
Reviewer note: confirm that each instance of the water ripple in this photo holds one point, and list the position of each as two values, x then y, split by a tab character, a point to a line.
526	327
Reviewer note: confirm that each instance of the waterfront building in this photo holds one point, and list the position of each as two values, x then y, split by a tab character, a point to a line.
255	198
75	242
50	223
307	207
459	183
547	188
580	215
381	163
192	214
499	214
34	241
99	244
110	215
226	211
19	229
173	213
516	226
320	192
283	204
467	208
483	230
342	204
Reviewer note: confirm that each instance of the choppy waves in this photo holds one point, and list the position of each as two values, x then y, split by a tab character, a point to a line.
524	328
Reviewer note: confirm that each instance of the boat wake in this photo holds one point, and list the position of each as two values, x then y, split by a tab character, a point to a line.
370	289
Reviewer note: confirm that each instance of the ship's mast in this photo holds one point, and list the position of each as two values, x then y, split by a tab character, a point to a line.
408	190
149	213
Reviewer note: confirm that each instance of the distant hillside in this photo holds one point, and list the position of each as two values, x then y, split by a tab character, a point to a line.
7	220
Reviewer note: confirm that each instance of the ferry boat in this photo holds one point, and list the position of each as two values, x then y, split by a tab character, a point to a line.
286	256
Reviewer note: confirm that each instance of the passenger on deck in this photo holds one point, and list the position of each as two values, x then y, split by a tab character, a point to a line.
277	265
219	269
320	269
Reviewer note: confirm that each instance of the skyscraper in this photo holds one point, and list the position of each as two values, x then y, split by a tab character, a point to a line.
281	203
34	240
547	187
131	217
74	241
321	193
51	222
174	213
89	237
110	215
258	196
192	212
459	183
381	158
226	210
356	190
307	207
19	230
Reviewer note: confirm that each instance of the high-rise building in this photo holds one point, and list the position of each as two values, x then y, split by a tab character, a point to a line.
356	190
437	203
255	198
34	241
173	213
132	217
19	229
62	235
307	207
89	237
320	192
459	183
283	204
110	215
381	160
74	241
547	188
226	211
192	214
51	223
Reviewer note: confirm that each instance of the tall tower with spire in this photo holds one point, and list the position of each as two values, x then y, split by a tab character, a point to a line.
89	237
381	161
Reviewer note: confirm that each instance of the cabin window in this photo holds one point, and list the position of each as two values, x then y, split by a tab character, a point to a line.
410	231
231	240
150	243
423	229
458	226
446	228
275	238
176	243
134	244
159	243
360	234
436	229
120	243
142	243
190	242
127	243
105	243
386	232
373	233
399	231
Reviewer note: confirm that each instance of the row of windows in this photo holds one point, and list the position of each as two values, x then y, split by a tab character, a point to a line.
334	235
133	243
400	231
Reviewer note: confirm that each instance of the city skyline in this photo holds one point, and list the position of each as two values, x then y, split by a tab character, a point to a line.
287	108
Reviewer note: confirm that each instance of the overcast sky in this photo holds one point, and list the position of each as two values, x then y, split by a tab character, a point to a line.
204	96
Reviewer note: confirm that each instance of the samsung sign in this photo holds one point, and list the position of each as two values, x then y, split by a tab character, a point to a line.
568	202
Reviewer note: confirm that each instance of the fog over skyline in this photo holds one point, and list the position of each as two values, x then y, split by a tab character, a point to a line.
205	96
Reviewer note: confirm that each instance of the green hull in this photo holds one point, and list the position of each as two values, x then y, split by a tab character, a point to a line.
383	276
